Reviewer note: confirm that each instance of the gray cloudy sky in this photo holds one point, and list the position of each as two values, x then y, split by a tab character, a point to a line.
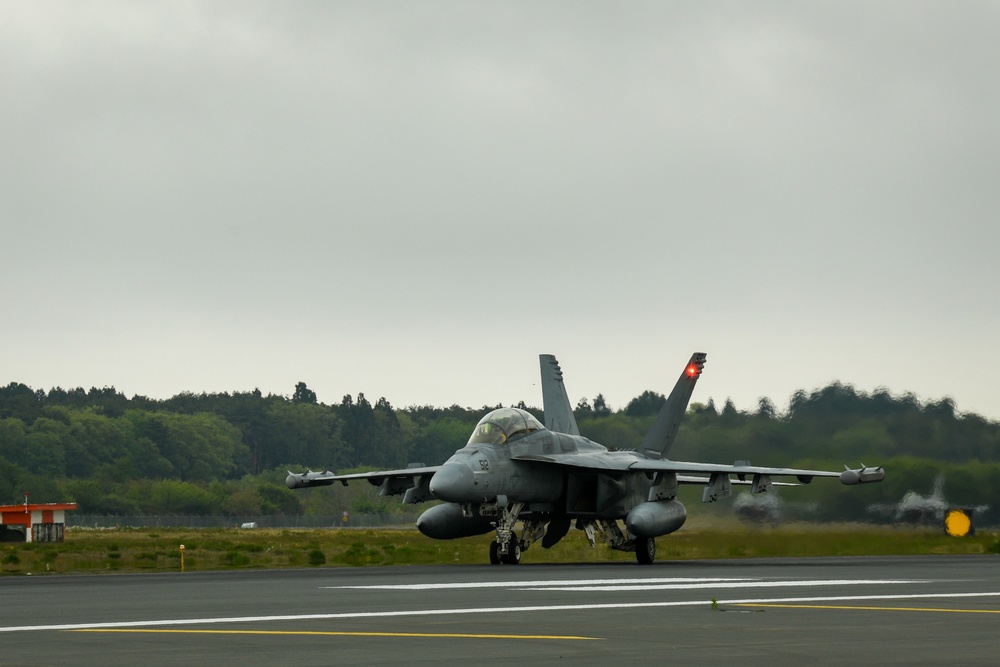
415	199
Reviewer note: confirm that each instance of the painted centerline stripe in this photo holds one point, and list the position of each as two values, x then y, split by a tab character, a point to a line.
484	610
424	635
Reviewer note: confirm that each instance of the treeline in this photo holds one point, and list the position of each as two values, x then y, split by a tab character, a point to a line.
227	453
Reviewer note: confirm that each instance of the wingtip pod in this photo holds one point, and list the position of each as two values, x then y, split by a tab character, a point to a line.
863	475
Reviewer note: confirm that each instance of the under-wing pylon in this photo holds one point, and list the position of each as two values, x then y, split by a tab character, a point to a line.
548	477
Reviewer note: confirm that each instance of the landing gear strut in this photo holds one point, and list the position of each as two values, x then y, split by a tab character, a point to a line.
507	547
644	547
495	558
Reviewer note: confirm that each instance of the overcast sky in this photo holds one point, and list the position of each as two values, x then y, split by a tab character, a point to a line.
416	199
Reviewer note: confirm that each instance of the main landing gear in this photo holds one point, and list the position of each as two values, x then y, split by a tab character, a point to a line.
507	546
645	550
644	547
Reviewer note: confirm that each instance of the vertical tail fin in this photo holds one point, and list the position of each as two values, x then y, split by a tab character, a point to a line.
660	438
555	402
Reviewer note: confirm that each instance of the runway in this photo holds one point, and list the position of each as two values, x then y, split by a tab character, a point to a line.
915	610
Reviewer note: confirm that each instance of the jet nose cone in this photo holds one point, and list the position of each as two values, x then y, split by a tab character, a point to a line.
455	483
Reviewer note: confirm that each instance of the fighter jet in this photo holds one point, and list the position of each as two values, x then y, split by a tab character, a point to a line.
549	478
929	509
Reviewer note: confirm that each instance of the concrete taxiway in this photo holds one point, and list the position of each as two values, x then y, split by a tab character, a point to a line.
912	610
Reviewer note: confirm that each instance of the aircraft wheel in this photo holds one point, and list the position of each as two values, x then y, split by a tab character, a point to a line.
494	553
513	556
645	550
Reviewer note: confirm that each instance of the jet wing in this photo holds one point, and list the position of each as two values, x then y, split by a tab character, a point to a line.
626	461
412	482
741	471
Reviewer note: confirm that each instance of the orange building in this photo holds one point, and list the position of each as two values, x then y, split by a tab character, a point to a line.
34	522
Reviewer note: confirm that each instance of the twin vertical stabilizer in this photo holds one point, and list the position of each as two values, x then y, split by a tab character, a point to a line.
660	438
555	402
559	413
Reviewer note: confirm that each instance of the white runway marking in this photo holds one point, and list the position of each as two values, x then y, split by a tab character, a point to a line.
661	584
523	584
484	610
731	584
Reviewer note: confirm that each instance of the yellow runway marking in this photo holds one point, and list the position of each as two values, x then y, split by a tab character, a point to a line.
860	608
446	635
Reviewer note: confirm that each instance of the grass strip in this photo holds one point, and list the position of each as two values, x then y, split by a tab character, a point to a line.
158	550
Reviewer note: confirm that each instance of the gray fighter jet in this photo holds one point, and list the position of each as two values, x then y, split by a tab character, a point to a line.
549	476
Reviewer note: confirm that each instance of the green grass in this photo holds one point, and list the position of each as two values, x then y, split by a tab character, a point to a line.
132	550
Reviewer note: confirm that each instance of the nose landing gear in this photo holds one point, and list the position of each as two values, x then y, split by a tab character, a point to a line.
512	557
506	548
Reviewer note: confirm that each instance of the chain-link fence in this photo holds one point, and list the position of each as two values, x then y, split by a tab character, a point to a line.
347	520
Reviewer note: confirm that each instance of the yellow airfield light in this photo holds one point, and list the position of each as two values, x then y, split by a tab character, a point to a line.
958	523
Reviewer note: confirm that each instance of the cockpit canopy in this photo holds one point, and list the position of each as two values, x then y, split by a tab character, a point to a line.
502	425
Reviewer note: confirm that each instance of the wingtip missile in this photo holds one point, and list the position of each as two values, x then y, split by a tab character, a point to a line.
862	475
302	481
294	481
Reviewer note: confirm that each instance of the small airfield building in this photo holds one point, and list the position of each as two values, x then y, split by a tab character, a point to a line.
34	522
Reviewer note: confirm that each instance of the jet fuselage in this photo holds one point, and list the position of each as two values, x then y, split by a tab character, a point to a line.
482	473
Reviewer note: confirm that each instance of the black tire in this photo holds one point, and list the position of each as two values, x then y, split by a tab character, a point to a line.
494	553
513	556
645	550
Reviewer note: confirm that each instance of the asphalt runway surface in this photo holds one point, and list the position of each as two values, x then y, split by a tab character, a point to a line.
924	610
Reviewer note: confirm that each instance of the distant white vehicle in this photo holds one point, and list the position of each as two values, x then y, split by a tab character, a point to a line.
249	524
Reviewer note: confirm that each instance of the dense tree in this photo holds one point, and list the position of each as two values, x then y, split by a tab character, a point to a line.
303	394
171	496
766	409
583	410
601	408
45	447
13	441
615	431
199	447
18	400
439	439
300	433
646	404
95	439
704	408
